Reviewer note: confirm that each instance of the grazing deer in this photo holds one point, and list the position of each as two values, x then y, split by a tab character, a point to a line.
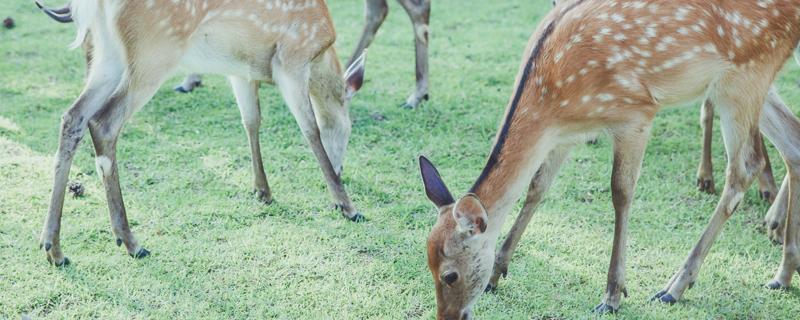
63	15
138	44
606	67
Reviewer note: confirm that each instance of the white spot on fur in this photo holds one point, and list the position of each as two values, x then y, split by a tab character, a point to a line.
605	97
617	17
564	103
586	99
103	165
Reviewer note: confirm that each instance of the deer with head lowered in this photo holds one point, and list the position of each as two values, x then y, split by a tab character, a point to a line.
138	44
606	67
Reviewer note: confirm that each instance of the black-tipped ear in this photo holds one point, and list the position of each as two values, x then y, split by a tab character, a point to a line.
354	76
434	186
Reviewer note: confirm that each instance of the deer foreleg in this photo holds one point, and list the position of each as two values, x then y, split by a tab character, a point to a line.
539	186
294	87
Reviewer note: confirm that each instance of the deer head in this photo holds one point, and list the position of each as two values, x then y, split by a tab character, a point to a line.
460	253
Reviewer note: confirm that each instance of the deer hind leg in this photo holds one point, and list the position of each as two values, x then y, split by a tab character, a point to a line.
419	11
294	86
246	93
105	78
539	186
738	104
375	11
705	171
629	143
137	88
775	220
782	128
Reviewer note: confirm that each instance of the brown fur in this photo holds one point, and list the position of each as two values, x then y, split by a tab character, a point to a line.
606	67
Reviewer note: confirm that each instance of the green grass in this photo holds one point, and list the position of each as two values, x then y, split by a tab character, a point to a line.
218	253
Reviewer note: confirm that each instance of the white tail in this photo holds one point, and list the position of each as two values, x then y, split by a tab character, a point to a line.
605	67
138	44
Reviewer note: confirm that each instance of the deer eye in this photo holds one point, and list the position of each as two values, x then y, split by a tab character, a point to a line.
450	278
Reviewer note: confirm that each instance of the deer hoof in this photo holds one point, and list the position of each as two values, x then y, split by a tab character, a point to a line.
356	218
773	285
141	254
181	89
658	295
765	196
261	195
490	288
668	299
64	263
603	308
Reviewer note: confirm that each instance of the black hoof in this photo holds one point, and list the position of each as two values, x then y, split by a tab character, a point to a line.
47	247
773	285
691	285
405	105
708	185
180	89
119	242
658	295
490	288
425	97
141	254
603	308
625	291
765	195
774	225
260	195
356	218
669	299
63	263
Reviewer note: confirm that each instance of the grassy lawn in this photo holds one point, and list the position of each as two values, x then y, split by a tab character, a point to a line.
218	253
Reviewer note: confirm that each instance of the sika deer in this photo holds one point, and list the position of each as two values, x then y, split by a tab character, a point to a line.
705	179
604	67
138	44
375	11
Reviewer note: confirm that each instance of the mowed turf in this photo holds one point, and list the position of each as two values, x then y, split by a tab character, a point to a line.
218	253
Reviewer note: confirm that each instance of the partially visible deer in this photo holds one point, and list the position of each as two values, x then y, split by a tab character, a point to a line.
419	11
705	178
63	15
605	67
374	13
138	44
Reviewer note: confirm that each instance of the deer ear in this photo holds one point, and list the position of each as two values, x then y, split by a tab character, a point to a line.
470	215
354	76
434	186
